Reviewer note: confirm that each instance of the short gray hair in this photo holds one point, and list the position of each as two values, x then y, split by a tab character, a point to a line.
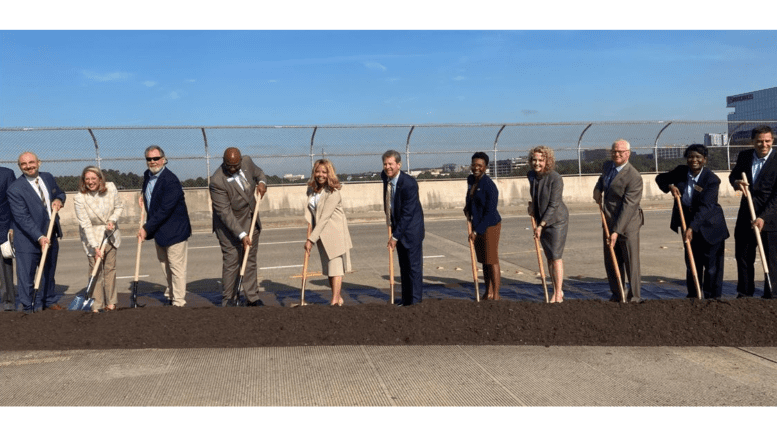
155	147
392	154
621	140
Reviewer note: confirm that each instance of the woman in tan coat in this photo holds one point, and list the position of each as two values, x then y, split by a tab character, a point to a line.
98	209
325	213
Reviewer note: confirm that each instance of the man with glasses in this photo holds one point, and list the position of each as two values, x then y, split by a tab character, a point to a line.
759	166
233	188
619	191
167	222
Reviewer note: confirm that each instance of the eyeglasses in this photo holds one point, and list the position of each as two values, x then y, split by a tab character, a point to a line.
153	158
619	152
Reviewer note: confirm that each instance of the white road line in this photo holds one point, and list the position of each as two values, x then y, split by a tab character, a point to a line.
435	256
280	267
259	244
133	277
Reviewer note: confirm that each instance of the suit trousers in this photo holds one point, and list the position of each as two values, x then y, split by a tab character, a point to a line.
104	290
173	260
7	291
411	268
745	247
709	260
232	252
26	265
627	254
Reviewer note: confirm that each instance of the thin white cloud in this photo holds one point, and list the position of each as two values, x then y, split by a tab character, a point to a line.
273	81
459	78
190	80
149	83
173	95
108	77
375	66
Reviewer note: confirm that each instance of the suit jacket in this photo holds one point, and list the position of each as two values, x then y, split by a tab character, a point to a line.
547	198
167	217
7	177
93	212
482	204
764	191
233	207
407	221
705	215
29	219
331	226
621	201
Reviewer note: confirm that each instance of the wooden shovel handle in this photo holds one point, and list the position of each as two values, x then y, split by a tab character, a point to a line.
250	235
539	260
39	272
305	267
688	246
474	261
760	243
614	259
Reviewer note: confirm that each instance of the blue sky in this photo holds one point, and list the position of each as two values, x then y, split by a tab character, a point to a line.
314	77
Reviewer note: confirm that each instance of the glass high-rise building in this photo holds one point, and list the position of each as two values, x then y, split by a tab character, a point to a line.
753	106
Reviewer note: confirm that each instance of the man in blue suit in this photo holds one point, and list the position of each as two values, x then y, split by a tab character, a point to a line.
167	223
400	194
32	198
7	292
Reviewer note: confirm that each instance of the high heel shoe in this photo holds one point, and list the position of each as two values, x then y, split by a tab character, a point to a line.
340	303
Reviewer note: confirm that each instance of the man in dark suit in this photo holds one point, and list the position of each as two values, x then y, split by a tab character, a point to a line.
167	223
706	228
761	170
232	190
400	194
7	292
619	191
32	198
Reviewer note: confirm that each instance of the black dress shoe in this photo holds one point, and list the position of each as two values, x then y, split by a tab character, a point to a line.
168	302
615	298
256	303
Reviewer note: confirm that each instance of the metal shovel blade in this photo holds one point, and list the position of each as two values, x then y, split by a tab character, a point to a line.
77	303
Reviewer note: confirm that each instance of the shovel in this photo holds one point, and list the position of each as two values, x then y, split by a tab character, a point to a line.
84	302
474	265
757	232
134	294
304	272
614	259
39	272
688	246
246	251
539	260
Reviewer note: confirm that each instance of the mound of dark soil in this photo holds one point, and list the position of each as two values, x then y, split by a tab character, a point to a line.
671	322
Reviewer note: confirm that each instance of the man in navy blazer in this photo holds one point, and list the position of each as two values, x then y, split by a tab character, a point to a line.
407	225
7	292
706	228
167	222
32	199
760	167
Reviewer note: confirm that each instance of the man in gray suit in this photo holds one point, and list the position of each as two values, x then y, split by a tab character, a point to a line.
619	191
232	189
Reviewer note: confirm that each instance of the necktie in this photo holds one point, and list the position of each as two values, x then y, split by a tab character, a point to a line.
759	163
392	198
243	181
387	203
610	177
42	196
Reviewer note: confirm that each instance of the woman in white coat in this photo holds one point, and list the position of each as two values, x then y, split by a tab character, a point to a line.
325	213
98	209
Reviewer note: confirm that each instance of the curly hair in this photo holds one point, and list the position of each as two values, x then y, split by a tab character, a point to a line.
550	157
332	183
101	188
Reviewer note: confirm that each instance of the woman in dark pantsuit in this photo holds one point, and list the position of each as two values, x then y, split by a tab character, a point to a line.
705	223
551	214
481	201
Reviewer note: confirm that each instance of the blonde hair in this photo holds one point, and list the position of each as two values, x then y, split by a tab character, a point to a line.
82	183
332	183
550	157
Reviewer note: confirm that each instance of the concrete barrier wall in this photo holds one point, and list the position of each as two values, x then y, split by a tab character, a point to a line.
289	201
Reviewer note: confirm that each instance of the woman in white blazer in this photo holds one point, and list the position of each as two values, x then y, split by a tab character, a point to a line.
98	209
325	213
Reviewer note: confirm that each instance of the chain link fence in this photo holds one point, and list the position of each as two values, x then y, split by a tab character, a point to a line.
286	153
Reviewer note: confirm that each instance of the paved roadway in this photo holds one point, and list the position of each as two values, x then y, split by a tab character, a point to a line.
400	375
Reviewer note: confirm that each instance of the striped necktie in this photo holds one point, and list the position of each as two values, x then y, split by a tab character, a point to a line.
42	196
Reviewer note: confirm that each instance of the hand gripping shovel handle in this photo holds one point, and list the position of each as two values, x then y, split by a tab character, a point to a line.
688	247
247	251
305	269
97	263
474	261
134	295
614	259
746	192
39	272
539	260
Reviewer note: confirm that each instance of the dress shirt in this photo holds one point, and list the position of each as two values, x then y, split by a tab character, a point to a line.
43	188
151	183
758	163
692	181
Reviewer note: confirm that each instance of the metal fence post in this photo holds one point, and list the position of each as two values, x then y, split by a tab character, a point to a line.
407	148
496	161
312	138
579	152
207	153
96	149
655	145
